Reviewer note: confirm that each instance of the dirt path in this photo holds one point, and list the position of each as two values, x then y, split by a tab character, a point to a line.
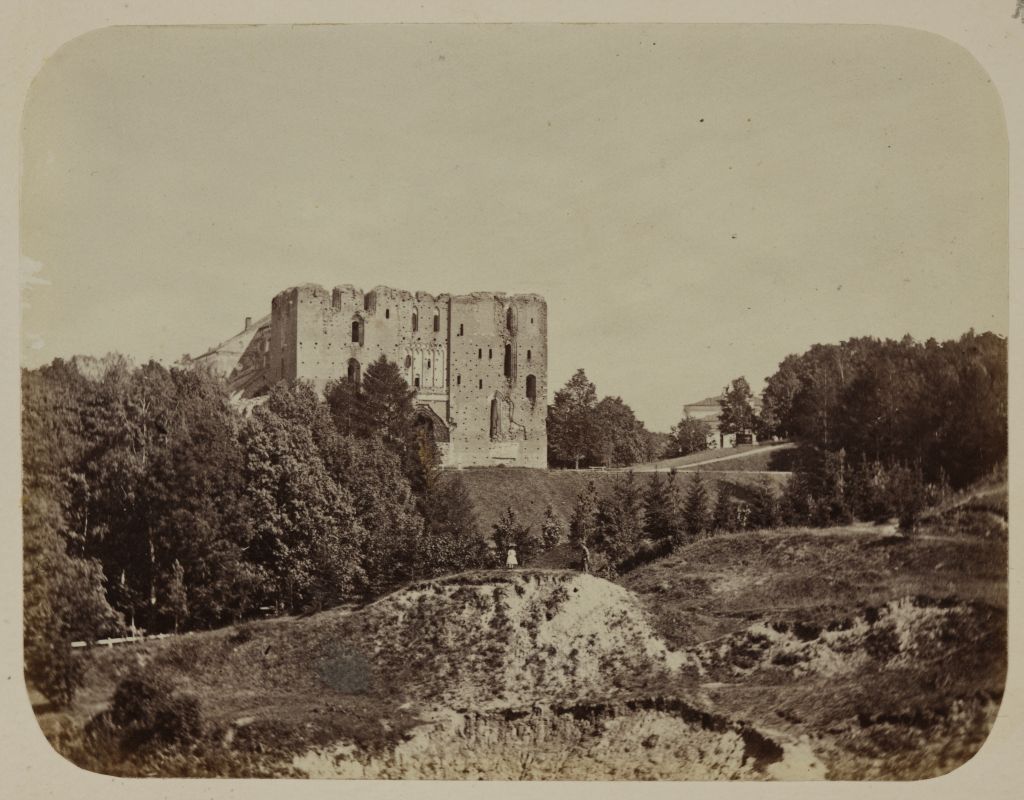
665	466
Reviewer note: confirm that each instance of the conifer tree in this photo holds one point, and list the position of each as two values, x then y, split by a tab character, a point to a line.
764	510
696	511
723	518
663	514
620	519
583	525
550	530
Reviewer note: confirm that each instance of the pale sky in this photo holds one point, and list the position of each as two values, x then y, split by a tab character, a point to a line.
695	202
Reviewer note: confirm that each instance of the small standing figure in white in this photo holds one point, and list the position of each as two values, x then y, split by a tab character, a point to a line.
1019	13
511	562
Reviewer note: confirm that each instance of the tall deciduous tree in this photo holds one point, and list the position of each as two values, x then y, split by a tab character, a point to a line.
737	414
689	436
572	432
621	438
64	601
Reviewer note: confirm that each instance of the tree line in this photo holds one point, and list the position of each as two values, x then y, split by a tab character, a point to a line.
151	501
884	427
586	432
635	521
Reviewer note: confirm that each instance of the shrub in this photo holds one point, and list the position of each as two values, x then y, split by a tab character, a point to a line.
146	711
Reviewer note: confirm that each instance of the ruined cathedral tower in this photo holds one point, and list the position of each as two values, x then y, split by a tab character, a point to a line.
478	362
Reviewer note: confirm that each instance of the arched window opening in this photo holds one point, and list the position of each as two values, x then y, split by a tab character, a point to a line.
408	362
531	388
415	321
508	319
416	381
367	302
460	329
357	330
508	361
529	355
437	322
353	370
494	418
428	363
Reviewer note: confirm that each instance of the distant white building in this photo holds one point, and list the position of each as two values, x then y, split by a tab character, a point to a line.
709	409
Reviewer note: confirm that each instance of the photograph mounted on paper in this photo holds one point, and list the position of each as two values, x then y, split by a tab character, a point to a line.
530	402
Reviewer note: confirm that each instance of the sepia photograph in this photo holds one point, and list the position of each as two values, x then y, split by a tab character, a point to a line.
515	402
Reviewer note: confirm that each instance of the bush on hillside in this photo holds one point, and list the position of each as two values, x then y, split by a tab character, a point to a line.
147	712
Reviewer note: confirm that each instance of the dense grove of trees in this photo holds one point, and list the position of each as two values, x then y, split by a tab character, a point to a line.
585	432
940	406
149	500
885	426
637	520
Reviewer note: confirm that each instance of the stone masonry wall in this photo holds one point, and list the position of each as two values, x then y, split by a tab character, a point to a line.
478	361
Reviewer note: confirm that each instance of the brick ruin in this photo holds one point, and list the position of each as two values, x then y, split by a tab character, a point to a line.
478	362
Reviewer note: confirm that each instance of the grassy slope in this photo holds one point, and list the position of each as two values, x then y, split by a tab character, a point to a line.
913	720
755	457
718	585
758	460
531	491
267	679
285	685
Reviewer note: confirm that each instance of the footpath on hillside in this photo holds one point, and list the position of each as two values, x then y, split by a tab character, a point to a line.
696	460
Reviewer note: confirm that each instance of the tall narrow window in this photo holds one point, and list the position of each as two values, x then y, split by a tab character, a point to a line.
479	352
428	363
458	380
481	382
408	362
490	353
508	319
437	322
508	361
495	423
416	382
387	313
531	388
356	331
415	321
460	329
529	355
353	370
